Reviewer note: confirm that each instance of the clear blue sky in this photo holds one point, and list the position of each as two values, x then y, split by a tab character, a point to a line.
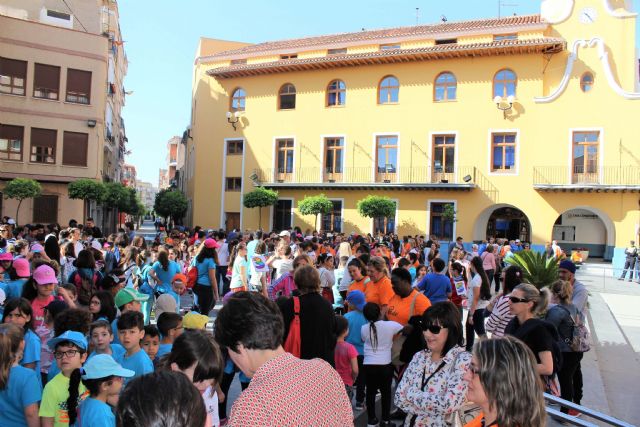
162	36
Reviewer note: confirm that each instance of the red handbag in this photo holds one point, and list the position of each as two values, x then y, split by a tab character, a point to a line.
293	342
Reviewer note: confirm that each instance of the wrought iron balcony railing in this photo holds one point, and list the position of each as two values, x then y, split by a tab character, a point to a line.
589	176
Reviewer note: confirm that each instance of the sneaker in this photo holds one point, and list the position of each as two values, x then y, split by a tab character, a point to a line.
574	413
372	423
387	424
359	406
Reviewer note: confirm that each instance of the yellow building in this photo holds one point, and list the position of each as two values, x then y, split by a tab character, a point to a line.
523	124
61	94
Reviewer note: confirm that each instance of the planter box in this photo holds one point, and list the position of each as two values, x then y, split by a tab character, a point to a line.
584	255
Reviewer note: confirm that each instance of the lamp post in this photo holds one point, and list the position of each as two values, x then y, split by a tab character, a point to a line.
504	105
233	118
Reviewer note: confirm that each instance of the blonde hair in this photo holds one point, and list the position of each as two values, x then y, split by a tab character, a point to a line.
10	338
562	290
379	264
344	249
540	298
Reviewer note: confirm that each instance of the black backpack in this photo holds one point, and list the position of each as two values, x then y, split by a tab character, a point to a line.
556	349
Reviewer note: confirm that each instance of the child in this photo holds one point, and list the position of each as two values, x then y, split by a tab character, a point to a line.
355	302
346	356
102	376
131	332
61	395
127	300
20	389
178	287
170	328
45	333
18	312
101	336
378	339
151	342
19	275
71	290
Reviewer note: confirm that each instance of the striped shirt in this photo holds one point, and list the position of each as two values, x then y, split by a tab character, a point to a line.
500	317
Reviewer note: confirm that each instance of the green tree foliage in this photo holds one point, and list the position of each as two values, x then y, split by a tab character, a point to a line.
537	269
20	189
170	203
87	190
315	205
116	196
260	198
376	206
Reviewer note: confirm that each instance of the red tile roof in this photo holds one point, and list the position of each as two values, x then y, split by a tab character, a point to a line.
442	30
502	47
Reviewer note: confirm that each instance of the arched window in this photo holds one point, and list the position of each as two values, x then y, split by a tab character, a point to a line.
586	82
504	83
238	99
389	90
287	97
336	93
445	87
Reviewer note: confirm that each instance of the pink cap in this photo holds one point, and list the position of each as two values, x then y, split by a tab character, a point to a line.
45	275
21	266
37	248
210	243
6	256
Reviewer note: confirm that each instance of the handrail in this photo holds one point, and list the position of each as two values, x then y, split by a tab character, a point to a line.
584	410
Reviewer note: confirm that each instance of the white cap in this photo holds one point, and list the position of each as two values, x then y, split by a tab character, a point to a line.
11	221
284	233
517	240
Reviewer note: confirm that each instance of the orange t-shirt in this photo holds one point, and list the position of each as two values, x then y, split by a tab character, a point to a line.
379	292
359	285
400	308
477	422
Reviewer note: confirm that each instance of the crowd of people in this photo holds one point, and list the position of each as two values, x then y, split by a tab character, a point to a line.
95	331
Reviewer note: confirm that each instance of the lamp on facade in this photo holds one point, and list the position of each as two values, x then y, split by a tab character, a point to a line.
91	123
233	118
504	105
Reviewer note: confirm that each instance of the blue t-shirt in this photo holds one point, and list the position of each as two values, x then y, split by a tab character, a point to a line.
164	349
114	328
14	288
23	390
31	350
95	413
166	277
117	351
139	362
356	321
203	271
435	287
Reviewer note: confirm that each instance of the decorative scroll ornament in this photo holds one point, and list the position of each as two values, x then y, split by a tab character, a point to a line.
556	11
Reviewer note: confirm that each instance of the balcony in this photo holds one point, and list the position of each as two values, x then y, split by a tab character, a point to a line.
587	179
388	177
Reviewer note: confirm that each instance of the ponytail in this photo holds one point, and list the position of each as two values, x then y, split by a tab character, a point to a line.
10	338
74	393
373	332
371	312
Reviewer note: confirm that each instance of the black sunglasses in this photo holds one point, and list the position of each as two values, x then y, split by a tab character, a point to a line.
434	329
516	300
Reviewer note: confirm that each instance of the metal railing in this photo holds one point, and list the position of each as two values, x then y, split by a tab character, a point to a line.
579	175
559	416
367	175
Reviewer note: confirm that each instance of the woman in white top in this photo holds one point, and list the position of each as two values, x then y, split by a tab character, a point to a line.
281	261
258	280
238	260
478	296
327	276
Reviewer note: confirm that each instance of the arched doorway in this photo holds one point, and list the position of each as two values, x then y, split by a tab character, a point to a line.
509	223
587	229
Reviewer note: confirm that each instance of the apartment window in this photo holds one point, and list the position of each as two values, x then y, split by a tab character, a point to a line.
58	15
503	152
333	220
43	145
46	81
500	37
439	226
235	147
586	82
78	86
446	41
333	163
234	184
504	83
585	157
282	218
284	159
336	93
384	224
388	90
386	158
45	209
445	87
444	154
13	74
394	46
287	97
289	56
75	147
11	138
238	99
340	51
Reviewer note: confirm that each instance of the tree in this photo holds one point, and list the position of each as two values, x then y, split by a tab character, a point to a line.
377	206
260	198
315	205
20	189
537	269
87	190
170	203
116	195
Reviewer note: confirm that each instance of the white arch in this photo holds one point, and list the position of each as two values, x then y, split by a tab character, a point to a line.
608	224
480	224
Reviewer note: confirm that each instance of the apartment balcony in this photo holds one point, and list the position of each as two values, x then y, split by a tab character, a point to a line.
592	178
367	178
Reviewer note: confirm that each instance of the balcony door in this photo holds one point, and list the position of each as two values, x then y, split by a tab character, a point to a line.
443	165
585	157
284	160
386	158
334	159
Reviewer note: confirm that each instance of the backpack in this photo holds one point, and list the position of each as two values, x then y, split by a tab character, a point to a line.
580	337
109	262
293	343
85	287
556	349
192	276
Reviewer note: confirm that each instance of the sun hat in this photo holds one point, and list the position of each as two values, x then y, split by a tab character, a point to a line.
11	221
284	233
165	304
72	336
21	266
567	265
181	277
126	295
37	248
211	244
6	256
45	275
194	320
356	298
102	366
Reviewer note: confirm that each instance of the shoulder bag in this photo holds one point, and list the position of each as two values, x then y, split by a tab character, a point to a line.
293	342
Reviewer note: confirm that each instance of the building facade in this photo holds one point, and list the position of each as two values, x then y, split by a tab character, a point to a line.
147	193
521	125
61	94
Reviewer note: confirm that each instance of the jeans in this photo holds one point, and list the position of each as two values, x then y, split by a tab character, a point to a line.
476	328
570	364
629	265
222	279
577	382
490	275
379	378
205	298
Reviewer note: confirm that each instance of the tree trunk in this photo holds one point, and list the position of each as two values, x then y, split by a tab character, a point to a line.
260	218
18	211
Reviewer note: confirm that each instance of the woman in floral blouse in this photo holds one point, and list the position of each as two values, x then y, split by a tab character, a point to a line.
433	386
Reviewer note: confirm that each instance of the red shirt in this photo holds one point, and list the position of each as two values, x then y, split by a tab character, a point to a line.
287	391
345	352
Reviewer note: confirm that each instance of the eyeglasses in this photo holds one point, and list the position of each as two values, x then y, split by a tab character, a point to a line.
434	329
516	300
61	354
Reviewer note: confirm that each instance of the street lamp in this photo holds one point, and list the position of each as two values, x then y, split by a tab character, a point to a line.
504	105
233	118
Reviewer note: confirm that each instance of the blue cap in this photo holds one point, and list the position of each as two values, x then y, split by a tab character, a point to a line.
568	265
102	366
356	298
72	336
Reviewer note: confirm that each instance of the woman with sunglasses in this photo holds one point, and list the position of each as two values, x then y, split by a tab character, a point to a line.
433	386
503	382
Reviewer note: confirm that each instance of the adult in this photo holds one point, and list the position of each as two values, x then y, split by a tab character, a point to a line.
630	253
163	270
458	244
433	386
436	285
317	320
285	285
478	296
223	263
503	382
91	225
579	293
206	287
379	291
251	328
489	265
74	237
498	310
406	301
